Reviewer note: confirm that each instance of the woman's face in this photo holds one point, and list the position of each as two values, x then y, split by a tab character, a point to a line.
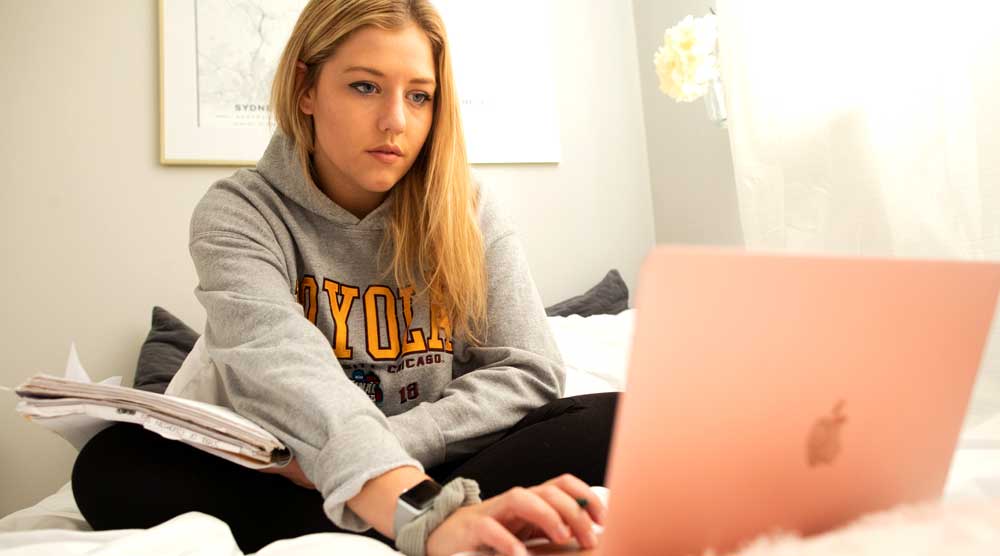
372	108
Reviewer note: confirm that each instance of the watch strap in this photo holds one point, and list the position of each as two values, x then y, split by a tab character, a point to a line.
411	538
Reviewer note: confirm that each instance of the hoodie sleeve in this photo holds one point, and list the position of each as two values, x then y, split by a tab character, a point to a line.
277	369
516	370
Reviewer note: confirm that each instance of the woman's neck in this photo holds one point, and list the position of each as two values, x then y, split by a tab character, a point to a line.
354	200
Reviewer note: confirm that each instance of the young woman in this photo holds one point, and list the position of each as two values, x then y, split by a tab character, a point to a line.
368	305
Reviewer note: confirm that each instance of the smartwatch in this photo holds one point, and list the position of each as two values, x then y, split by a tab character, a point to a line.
414	502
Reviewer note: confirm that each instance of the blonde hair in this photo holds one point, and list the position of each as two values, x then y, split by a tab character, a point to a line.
433	230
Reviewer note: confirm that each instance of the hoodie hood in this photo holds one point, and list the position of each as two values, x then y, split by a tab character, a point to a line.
280	167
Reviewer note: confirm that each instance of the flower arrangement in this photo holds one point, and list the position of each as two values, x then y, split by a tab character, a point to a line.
687	65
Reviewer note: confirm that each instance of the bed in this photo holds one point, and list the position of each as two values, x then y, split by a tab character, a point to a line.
594	343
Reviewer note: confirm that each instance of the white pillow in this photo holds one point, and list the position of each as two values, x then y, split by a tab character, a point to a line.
595	350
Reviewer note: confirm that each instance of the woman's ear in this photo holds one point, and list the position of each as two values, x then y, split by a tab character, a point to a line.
307	100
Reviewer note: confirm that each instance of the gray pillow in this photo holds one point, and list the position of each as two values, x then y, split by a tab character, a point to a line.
166	346
608	297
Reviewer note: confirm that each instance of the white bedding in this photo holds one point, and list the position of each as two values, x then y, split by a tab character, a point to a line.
595	350
957	526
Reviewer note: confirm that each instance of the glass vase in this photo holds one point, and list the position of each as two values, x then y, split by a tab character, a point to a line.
715	103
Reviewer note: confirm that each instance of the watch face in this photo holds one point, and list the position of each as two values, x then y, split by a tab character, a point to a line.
422	495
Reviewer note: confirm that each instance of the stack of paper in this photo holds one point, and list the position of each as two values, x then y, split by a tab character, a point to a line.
77	409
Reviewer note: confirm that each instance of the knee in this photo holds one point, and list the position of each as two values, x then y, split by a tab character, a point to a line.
592	412
104	450
600	407
96	470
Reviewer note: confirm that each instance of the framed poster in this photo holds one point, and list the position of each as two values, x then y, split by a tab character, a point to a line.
218	57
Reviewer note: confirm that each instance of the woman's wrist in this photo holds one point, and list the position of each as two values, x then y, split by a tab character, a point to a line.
413	536
376	502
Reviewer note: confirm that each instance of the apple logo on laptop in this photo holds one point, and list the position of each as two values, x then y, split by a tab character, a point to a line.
824	439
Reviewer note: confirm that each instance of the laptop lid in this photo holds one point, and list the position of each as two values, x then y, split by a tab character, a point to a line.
776	392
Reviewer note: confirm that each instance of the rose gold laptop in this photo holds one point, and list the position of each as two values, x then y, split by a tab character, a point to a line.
775	392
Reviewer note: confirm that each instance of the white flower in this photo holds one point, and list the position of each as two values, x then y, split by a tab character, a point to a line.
686	62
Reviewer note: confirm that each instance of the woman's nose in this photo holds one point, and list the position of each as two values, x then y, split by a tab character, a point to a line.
393	117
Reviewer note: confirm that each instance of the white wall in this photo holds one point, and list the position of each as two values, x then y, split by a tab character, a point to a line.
592	211
691	171
93	230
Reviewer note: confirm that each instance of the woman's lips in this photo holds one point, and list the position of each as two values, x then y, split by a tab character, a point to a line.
387	158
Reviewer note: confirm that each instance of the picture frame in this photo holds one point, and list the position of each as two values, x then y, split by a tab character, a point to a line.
214	96
199	116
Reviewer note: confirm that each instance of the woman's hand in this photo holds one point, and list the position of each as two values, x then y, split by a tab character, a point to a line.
504	521
293	473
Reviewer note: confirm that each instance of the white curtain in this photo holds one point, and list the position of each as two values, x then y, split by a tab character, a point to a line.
868	127
865	127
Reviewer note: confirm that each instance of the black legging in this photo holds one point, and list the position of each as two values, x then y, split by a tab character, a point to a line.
127	477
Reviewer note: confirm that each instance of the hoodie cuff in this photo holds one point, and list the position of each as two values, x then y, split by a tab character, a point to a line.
344	466
420	435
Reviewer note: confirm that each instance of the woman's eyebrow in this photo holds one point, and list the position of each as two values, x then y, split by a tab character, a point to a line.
377	73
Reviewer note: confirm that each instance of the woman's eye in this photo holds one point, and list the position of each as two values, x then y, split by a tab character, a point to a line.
420	98
364	87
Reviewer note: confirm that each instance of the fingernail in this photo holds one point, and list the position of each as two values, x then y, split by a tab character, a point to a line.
591	539
566	533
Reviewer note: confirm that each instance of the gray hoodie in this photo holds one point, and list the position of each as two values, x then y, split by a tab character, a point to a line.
307	337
